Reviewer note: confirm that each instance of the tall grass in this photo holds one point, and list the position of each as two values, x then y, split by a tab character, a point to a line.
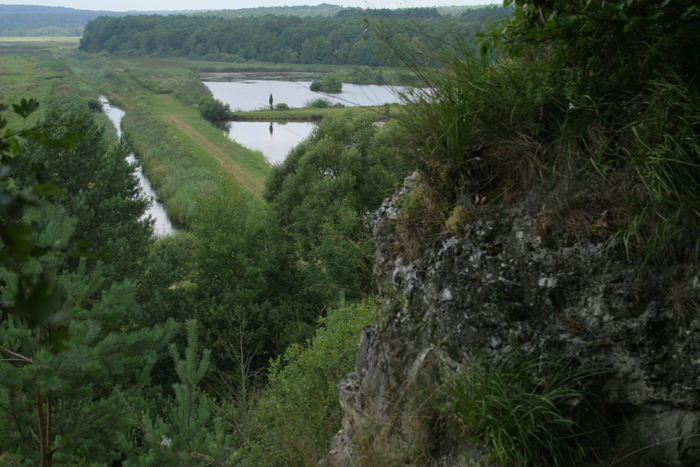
540	125
665	154
169	166
520	418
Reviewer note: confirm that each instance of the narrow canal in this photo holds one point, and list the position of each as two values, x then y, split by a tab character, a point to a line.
162	225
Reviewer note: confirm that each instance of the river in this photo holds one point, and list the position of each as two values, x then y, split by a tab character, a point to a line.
162	225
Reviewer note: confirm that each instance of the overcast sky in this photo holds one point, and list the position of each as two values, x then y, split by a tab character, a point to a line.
161	5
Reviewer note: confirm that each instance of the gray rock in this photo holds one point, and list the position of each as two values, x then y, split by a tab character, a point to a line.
502	287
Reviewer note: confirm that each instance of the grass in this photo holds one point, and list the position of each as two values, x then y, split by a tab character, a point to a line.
30	69
68	40
311	114
615	165
269	70
520	418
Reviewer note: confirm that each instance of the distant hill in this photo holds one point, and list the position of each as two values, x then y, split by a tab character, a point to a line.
27	20
13	17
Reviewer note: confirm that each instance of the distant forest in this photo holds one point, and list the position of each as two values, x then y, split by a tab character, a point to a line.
32	20
345	38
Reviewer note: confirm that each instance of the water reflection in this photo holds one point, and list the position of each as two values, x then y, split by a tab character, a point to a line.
274	139
162	225
245	95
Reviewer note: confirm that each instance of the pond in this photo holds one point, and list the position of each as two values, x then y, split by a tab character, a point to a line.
247	95
275	140
162	225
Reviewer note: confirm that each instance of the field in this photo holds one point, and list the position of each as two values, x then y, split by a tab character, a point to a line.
32	67
64	41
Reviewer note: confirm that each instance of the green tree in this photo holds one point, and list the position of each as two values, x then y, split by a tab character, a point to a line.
36	298
190	432
100	193
247	278
68	403
213	109
71	351
327	190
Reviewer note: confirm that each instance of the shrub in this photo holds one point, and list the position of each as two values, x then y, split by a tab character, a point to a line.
281	106
213	109
331	83
319	103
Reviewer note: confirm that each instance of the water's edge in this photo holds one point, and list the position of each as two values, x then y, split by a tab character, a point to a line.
162	224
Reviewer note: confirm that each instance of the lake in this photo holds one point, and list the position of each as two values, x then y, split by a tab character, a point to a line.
162	225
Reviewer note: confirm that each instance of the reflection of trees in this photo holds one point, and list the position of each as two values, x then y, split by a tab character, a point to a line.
222	125
271	130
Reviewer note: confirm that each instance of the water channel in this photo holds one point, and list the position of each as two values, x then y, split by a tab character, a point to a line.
162	225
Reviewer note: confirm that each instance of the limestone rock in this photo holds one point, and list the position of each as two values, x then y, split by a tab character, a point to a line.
502	287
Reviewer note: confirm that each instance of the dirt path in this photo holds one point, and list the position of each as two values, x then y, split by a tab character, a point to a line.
241	174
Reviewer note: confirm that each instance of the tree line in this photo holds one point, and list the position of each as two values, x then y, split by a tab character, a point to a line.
344	38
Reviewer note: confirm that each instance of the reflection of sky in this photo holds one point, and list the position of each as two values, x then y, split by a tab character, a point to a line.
162	225
274	145
255	94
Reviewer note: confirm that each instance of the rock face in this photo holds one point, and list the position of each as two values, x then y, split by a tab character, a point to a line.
502	287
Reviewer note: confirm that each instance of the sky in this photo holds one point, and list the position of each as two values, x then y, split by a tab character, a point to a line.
170	5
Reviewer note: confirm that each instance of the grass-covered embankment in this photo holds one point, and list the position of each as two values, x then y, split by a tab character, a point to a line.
182	154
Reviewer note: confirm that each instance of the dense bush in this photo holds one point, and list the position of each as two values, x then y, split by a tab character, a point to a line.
327	190
213	109
289	426
331	83
318	103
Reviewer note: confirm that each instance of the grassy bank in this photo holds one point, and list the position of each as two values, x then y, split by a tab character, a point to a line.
182	154
312	114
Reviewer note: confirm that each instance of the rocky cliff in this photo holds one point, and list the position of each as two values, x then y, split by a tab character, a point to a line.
503	286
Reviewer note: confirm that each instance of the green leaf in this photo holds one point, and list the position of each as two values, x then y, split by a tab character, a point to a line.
26	107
